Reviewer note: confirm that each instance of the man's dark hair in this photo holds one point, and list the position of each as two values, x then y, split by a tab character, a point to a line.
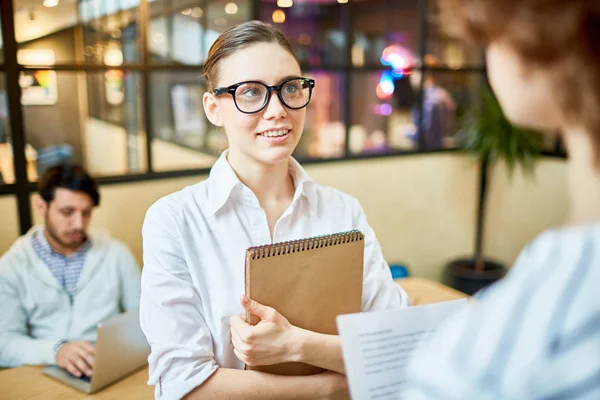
71	177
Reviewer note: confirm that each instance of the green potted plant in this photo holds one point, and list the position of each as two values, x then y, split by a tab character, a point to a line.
486	132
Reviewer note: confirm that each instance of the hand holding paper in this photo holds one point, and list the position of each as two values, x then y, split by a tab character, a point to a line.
377	346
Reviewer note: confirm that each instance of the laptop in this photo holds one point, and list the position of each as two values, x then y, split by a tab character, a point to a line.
121	348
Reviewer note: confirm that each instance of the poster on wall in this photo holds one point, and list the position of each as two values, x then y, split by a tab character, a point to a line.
38	88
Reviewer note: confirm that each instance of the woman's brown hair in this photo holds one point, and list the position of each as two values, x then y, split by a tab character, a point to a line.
563	36
238	38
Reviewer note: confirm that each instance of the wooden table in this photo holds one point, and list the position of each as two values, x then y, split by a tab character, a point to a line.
423	291
30	383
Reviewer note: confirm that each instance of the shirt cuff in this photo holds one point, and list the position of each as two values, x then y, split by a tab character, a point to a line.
176	390
57	346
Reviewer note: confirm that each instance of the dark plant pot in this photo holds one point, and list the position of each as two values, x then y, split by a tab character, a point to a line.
462	275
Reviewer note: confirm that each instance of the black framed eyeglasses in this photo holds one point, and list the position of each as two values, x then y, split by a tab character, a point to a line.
251	96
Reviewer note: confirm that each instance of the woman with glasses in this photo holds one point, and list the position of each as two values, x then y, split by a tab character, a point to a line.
195	240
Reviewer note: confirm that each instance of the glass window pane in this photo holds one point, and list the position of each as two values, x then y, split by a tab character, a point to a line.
380	112
324	133
314	29
384	26
92	118
7	173
222	15
175	32
183	138
448	52
1	41
385	111
84	32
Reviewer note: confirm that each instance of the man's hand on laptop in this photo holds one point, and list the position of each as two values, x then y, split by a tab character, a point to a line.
77	357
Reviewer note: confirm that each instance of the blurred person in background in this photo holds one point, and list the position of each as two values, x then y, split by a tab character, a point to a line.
536	333
60	280
439	108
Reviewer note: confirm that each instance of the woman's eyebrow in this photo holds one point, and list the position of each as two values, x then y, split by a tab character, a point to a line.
279	81
285	78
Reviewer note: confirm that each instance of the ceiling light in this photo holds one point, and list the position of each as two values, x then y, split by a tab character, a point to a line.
342	1
285	3
186	11
278	16
304	39
50	3
197	12
231	8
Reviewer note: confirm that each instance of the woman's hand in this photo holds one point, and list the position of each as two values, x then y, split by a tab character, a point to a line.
272	341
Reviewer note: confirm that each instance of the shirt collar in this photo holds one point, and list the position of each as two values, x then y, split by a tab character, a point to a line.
223	180
305	185
40	238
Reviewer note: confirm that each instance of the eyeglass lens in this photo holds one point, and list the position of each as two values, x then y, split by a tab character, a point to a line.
252	96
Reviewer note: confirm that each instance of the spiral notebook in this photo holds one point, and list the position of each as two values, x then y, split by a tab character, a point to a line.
309	281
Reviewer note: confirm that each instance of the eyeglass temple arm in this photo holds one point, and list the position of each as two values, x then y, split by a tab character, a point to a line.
223	90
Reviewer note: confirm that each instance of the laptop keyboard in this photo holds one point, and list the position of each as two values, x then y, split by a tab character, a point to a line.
85	378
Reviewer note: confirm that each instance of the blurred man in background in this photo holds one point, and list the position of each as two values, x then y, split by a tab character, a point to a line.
58	281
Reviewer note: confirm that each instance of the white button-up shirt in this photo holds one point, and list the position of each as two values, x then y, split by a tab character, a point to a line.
194	245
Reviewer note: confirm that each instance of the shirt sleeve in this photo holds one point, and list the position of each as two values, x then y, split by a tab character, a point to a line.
171	314
380	292
16	346
463	358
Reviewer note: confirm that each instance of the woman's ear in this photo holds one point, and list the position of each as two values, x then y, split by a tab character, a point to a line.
211	109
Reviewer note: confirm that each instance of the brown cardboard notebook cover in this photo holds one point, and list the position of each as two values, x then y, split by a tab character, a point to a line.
310	282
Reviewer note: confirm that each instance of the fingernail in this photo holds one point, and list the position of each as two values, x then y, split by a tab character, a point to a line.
245	299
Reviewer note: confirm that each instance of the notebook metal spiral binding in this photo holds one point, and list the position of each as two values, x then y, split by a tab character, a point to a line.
310	243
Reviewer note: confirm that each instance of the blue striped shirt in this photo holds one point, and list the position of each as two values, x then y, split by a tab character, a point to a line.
534	335
66	269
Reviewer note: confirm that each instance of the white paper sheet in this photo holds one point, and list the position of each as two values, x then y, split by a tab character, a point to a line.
377	346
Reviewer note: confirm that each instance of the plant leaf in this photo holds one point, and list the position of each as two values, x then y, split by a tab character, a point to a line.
486	132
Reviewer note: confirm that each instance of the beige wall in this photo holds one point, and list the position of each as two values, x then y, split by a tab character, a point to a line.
422	208
520	208
9	228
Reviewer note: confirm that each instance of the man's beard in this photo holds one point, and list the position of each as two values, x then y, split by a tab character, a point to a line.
52	233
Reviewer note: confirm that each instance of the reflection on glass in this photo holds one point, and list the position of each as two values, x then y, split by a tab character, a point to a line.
386	113
92	118
182	136
88	31
324	132
383	23
314	29
449	52
175	32
7	174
